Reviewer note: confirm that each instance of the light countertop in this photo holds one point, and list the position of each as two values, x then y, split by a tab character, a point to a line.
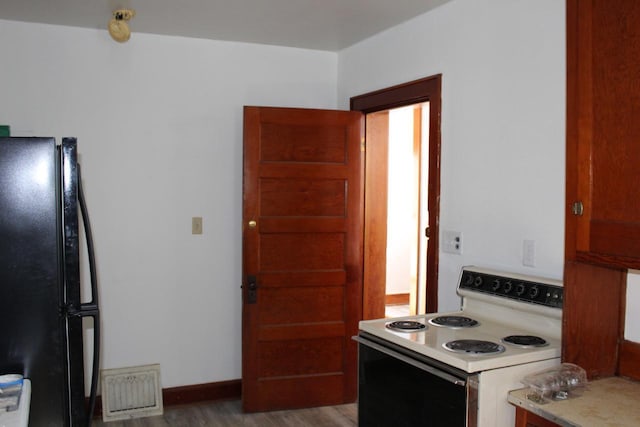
607	402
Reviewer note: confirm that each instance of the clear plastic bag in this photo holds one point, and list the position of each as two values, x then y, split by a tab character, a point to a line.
558	383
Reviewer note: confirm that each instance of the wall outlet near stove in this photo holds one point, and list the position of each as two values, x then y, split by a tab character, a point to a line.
452	242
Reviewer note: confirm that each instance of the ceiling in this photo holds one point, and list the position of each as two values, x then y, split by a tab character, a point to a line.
312	24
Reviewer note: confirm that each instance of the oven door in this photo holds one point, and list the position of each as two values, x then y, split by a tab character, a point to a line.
398	387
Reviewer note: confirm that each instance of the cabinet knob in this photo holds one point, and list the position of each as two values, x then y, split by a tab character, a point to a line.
577	208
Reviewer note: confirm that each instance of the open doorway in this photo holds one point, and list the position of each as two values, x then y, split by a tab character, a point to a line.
419	122
407	209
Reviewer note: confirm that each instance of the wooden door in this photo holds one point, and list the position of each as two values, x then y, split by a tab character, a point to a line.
302	256
603	130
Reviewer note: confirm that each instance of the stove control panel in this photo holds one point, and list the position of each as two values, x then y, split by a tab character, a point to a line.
516	287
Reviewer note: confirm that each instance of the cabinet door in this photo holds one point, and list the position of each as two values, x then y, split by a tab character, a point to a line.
525	418
603	131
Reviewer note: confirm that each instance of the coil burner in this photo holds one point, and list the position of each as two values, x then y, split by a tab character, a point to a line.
525	341
455	322
474	347
406	326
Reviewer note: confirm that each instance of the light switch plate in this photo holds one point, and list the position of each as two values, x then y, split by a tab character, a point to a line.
196	225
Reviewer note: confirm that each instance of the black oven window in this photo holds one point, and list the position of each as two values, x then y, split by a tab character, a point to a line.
393	393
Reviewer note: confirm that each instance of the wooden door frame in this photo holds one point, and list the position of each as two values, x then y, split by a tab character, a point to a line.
428	89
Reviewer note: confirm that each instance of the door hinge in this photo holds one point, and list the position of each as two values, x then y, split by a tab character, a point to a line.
363	145
577	208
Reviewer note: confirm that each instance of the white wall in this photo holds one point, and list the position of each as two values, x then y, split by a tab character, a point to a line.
632	317
503	123
159	127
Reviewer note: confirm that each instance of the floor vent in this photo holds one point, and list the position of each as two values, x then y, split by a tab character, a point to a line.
131	392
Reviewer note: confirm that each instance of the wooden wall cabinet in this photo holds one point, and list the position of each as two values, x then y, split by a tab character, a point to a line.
603	131
602	222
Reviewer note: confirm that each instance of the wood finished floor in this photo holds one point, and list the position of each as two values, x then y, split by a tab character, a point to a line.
229	414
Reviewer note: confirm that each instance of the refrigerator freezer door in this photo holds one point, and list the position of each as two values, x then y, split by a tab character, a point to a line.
32	329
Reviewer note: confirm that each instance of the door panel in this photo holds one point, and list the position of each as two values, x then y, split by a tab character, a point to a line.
302	251
326	350
303	197
299	391
303	191
287	305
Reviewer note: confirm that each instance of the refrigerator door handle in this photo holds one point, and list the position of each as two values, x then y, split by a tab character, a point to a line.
91	308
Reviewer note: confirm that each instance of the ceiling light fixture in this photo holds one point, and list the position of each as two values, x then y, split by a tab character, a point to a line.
118	27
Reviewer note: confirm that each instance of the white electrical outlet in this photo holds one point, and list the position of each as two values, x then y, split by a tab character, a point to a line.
529	253
452	242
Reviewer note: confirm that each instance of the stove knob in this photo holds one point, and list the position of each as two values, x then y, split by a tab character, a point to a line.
534	291
477	282
520	288
467	279
508	286
495	285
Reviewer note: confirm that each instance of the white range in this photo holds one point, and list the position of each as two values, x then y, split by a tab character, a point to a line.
509	326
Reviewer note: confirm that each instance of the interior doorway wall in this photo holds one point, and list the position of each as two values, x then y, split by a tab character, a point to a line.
421	91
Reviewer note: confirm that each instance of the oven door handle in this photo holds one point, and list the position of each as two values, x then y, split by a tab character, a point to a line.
423	366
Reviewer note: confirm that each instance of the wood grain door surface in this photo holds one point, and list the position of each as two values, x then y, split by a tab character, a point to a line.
603	130
302	247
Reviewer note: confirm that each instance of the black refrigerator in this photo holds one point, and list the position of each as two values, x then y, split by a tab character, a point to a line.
42	310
